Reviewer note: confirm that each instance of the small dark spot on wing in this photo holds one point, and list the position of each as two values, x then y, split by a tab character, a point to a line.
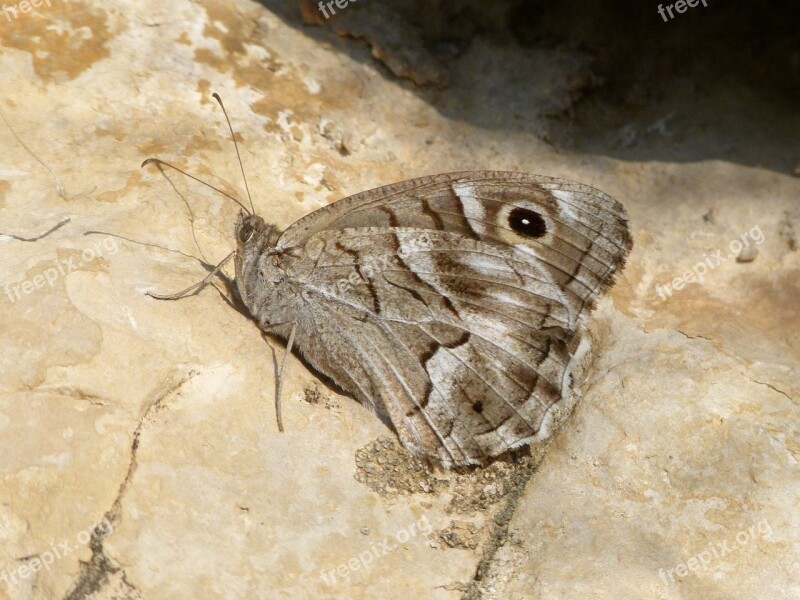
527	222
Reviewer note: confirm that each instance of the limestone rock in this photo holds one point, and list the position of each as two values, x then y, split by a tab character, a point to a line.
139	454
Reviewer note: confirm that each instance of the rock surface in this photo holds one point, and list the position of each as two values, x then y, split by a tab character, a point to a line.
139	455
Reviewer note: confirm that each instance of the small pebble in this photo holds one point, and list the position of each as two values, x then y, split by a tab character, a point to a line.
747	254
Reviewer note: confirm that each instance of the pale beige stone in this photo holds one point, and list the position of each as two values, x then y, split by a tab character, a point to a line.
157	417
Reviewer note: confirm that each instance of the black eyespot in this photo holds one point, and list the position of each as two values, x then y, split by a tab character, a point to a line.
478	407
527	222
246	232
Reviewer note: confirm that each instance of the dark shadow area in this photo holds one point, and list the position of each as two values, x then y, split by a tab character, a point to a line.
719	81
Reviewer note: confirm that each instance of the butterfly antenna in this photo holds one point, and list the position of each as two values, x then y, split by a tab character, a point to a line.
235	145
149	245
159	162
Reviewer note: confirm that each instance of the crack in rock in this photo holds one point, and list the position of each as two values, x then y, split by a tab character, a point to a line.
774	389
101	574
500	534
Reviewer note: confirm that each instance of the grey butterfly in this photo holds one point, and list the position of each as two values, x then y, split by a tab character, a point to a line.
451	305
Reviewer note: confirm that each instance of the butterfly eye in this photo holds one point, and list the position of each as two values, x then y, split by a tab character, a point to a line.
246	233
527	222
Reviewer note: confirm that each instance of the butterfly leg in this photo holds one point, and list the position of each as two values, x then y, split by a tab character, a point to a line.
36	238
289	345
197	287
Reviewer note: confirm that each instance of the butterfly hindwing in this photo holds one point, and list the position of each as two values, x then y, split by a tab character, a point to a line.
450	304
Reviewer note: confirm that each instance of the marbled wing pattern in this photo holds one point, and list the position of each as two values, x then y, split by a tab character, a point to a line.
450	304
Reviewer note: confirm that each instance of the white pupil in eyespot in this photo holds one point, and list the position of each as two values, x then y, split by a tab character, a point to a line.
526	222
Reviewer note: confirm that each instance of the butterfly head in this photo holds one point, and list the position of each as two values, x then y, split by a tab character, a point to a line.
254	235
254	238
247	229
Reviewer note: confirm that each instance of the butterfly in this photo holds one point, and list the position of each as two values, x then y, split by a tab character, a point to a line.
454	306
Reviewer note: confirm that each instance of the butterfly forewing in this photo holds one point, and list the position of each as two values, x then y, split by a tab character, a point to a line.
451	304
583	237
